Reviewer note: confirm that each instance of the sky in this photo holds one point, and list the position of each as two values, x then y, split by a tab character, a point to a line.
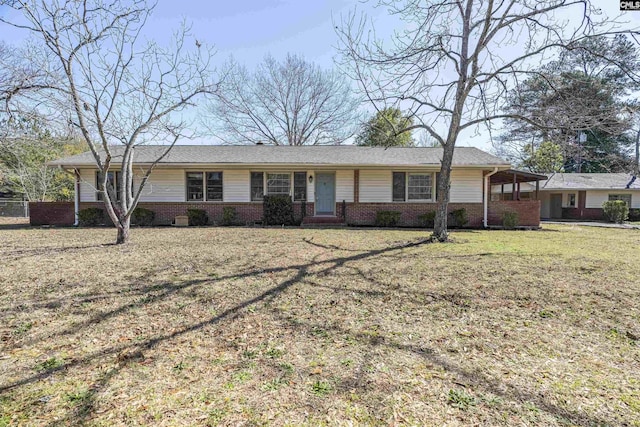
251	29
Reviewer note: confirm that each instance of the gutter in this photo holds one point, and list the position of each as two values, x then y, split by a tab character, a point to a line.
487	194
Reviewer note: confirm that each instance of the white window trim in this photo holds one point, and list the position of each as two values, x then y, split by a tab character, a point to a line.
204	186
406	187
292	177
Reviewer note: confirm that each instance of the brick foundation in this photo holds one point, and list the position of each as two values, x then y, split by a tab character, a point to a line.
51	213
166	211
528	212
61	213
365	213
583	213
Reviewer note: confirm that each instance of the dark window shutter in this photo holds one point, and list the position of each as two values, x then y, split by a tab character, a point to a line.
399	185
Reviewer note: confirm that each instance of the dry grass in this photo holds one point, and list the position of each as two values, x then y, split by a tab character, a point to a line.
236	326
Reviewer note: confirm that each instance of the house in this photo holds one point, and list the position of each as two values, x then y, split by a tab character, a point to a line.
346	184
576	195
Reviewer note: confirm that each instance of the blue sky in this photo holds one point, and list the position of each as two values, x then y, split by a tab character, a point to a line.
250	29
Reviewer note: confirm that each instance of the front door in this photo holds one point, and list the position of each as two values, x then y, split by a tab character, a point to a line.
556	206
325	193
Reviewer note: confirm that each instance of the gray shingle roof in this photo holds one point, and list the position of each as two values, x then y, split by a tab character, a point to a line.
309	155
590	181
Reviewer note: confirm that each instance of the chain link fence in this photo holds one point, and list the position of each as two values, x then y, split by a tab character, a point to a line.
14	208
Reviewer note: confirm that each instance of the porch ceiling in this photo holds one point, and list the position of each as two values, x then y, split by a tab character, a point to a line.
507	177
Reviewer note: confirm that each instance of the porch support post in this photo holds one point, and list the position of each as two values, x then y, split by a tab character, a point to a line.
502	192
537	190
518	192
513	187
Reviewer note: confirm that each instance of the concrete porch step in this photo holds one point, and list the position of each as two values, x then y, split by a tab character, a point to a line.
315	221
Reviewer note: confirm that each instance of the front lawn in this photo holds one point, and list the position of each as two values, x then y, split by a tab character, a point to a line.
241	326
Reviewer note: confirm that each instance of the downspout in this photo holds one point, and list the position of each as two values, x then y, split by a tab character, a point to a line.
487	195
76	207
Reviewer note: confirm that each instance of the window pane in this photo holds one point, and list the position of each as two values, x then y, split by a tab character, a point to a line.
572	200
419	187
624	197
398	186
195	190
278	183
257	186
300	186
214	185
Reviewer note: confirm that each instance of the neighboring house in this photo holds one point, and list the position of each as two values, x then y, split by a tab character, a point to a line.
336	183
578	195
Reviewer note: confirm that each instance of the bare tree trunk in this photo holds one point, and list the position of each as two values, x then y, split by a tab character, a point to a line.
123	231
440	232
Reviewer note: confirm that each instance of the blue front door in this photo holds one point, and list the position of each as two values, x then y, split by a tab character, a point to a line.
325	193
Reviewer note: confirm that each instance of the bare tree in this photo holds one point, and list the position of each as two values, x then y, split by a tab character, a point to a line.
121	92
454	61
289	103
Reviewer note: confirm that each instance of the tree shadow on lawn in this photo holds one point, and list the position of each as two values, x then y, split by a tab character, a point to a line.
131	351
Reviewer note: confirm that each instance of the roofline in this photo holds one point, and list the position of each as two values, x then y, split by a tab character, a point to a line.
587	188
501	166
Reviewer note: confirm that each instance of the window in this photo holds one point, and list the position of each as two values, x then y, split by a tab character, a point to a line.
214	186
299	186
399	183
257	186
624	197
412	187
195	186
278	183
419	187
571	200
201	184
110	180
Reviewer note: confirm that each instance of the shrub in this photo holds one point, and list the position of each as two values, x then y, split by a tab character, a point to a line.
387	218
458	218
510	220
229	215
428	219
90	217
197	217
143	217
278	210
634	215
616	211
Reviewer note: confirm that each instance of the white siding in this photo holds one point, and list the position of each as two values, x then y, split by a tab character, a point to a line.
311	187
595	198
344	186
236	185
466	186
375	186
164	185
87	185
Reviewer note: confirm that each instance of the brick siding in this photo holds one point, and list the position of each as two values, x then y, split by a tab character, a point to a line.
528	212
51	213
583	213
61	213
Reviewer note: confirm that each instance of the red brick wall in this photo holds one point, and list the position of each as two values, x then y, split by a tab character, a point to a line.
51	213
365	213
528	211
583	213
167	211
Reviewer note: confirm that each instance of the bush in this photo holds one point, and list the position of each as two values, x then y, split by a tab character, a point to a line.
387	218
229	215
90	217
278	210
634	215
143	217
428	219
616	211
510	220
458	218
197	217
